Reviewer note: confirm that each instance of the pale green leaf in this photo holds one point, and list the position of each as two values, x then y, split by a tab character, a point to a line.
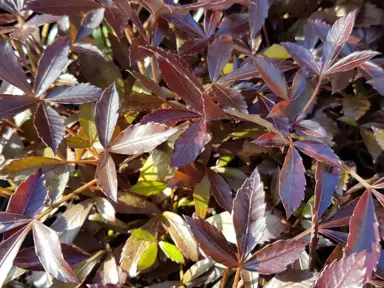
172	252
148	258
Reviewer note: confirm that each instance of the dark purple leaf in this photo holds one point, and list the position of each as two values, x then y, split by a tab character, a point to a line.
292	181
351	61
298	85
319	151
169	117
303	57
90	23
280	110
106	115
342	216
212	242
50	126
327	178
88	49
126	8
51	64
58	7
14	104
234	24
76	94
185	23
48	249
106	176
27	258
249	214
340	237
211	21
193	46
179	78
29	197
10	221
378	84
257	13
219	54
275	258
189	145
211	110
141	138
12	6
229	97
310	128
272	77
220	190
270	139
336	39
348	272
364	233
8	251
10	69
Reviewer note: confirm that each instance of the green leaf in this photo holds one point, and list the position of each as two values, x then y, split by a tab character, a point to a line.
156	166
148	188
172	252
201	195
348	120
76	142
148	258
142	234
379	136
87	120
370	141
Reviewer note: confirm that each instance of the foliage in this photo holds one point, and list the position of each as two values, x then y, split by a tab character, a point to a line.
127	126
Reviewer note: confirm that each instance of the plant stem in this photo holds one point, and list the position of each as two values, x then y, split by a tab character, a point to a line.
67	198
314	94
237	278
356	176
224	278
313	242
85	161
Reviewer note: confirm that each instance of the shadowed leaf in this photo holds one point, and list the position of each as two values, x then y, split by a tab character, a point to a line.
218	55
76	94
229	97
275	258
220	190
58	7
212	242
106	176
249	214
51	64
90	23
13	104
201	196
257	13
149	84
292	181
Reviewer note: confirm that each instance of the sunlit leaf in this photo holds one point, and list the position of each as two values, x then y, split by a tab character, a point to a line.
218	55
148	188
171	252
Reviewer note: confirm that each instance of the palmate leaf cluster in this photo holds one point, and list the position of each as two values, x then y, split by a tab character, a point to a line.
225	143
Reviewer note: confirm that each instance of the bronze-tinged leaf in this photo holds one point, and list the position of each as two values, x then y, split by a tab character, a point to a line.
272	76
321	152
9	221
211	110
29	197
106	176
364	233
50	126
270	139
107	113
249	214
274	258
193	46
129	203
30	165
327	178
51	64
141	138
13	104
336	38
292	181
187	176
10	69
303	57
58	7
220	190
181	235
349	272
179	77
75	94
212	242
190	144
310	128
48	249
379	136
219	54
211	21
8	251
128	12
370	141
229	98
137	102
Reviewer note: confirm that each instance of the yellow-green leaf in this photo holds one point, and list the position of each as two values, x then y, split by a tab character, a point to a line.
148	258
379	136
142	234
76	142
276	51
148	188
201	195
172	252
87	121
